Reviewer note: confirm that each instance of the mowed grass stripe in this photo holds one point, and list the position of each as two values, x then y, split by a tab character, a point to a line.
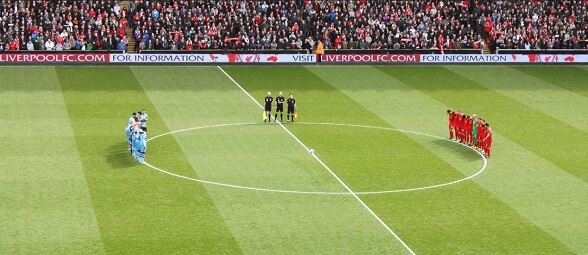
196	97
443	222
388	155
568	77
364	159
138	210
260	155
45	206
402	107
529	184
561	104
541	133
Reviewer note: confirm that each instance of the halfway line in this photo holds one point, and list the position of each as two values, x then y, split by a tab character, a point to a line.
325	166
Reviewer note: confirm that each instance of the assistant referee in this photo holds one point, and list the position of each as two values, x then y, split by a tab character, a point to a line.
291	107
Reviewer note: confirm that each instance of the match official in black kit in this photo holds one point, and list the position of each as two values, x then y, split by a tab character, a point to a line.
279	107
268	106
291	107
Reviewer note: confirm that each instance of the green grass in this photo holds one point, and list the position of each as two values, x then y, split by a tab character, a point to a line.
68	185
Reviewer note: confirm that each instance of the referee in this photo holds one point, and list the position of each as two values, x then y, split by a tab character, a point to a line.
291	107
268	106
279	107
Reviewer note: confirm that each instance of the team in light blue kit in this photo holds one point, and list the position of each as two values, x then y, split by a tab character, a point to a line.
136	133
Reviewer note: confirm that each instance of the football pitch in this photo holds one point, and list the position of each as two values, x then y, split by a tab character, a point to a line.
382	179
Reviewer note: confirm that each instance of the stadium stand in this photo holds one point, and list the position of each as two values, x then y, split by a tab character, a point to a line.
62	25
294	24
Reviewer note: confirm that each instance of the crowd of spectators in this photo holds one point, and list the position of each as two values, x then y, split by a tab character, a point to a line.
536	24
295	24
62	25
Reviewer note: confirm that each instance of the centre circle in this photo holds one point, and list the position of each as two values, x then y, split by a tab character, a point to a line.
317	192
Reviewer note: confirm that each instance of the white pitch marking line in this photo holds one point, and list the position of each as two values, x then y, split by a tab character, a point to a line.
416	133
244	187
318	192
327	168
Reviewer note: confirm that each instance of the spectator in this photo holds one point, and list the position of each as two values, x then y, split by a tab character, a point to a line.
189	45
87	45
141	46
30	45
14	45
121	46
157	45
58	47
49	45
68	44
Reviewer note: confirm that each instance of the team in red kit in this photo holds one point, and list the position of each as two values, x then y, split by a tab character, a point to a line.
470	130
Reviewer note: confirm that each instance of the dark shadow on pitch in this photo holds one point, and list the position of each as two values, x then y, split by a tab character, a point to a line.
462	150
120	157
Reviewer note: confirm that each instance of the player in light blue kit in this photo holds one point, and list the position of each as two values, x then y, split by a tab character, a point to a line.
144	118
128	134
128	131
135	141
132	119
142	145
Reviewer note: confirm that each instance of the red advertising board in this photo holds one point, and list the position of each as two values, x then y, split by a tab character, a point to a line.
549	58
54	58
213	58
249	57
504	58
371	58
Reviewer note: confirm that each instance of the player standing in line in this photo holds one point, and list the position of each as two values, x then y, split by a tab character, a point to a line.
132	119
268	106
460	125
129	129
132	139
291	107
487	140
468	130
144	118
135	124
465	129
480	128
456	123
464	124
142	144
138	144
135	138
474	131
450	123
128	134
279	107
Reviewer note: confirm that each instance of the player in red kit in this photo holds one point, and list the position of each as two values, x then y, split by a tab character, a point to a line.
468	130
462	125
451	122
487	140
480	134
457	120
465	129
